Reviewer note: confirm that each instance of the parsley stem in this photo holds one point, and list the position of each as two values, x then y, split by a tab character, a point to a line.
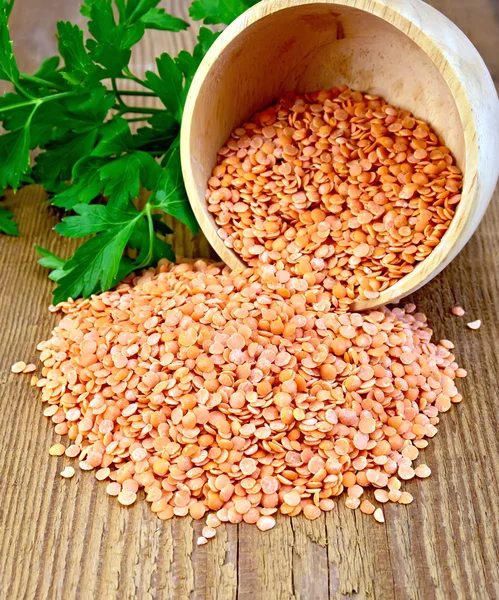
127	74
134	93
41	81
115	90
148	258
38	101
19	105
139	110
136	119
56	97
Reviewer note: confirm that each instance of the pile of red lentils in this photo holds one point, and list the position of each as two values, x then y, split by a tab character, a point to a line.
337	188
216	393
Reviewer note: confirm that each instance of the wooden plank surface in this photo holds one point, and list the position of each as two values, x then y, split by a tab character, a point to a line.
67	539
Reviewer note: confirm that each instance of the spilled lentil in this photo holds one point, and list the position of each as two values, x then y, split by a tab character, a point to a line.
218	395
336	188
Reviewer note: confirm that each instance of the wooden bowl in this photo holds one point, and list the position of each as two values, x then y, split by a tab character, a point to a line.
403	50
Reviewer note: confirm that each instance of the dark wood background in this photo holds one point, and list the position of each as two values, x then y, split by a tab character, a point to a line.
68	539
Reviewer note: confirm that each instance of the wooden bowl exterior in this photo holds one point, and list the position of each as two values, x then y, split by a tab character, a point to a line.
403	50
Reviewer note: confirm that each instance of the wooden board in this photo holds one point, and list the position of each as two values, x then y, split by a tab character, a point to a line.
69	540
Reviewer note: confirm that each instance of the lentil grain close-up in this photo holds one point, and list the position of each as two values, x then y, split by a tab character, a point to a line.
187	430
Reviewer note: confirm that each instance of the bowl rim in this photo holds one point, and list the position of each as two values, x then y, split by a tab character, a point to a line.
441	255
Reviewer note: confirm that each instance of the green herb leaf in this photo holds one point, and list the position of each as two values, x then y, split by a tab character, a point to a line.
162	249
61	155
116	138
95	218
8	65
122	178
7	223
17	113
214	12
170	195
83	191
124	175
50	261
160	226
78	66
189	63
8	6
150	171
14	158
206	37
89	158
85	7
157	18
140	8
49	71
158	138
86	110
95	264
167	84
121	5
86	185
156	246
112	42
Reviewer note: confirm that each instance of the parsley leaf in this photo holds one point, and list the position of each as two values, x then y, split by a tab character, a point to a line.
51	261
14	158
86	186
8	65
112	42
157	18
95	218
7	223
95	264
74	113
8	6
170	195
138	8
125	174
48	71
116	138
213	12
123	179
167	84
189	63
79	67
174	77
158	138
62	154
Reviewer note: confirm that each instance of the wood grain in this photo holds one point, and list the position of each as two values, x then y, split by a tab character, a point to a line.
68	540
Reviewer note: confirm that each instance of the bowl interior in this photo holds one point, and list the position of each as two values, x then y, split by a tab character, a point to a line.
308	47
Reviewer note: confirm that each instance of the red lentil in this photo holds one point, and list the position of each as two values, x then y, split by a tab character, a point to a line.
57	450
379	515
336	188
230	412
67	472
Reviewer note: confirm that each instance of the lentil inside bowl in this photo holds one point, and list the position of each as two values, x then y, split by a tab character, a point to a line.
336	188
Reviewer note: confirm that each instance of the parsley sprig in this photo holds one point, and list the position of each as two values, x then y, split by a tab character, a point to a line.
74	111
